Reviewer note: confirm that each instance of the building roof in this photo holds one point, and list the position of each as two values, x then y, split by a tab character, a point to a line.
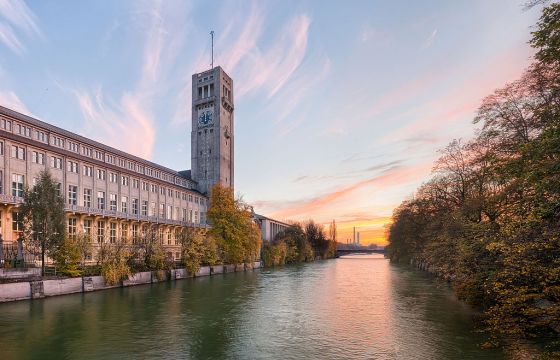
262	217
41	124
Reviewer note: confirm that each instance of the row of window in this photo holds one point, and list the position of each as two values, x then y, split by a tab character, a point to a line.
19	152
145	208
75	147
136	232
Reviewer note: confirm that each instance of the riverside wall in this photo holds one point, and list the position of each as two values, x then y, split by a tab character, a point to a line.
38	289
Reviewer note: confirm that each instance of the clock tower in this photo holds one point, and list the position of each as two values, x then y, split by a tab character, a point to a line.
212	129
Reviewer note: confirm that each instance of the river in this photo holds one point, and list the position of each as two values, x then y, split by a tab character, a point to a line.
355	307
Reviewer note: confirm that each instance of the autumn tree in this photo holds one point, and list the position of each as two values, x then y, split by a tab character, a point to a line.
233	227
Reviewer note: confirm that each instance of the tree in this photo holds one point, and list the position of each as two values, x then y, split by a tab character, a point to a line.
43	214
233	227
67	257
192	250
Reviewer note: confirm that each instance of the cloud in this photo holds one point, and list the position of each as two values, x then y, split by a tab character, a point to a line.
388	178
163	26
256	68
10	100
17	16
125	125
430	40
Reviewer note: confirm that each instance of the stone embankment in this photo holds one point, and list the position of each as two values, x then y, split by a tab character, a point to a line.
38	289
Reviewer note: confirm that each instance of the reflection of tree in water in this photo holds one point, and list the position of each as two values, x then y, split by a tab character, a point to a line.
190	318
214	309
426	310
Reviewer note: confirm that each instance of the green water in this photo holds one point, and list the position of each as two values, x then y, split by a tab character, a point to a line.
360	307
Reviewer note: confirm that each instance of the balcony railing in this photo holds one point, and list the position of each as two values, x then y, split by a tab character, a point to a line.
128	216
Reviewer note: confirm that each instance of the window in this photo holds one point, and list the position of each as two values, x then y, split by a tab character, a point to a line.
72	146
124	231
169	212
17	185
144	186
59	189
153	209
100	174
1	188
41	136
134	233
18	152
124	181
135	206
6	124
162	211
135	183
113	202
144	208
124	204
113	177
101	200
100	231
72	195
153	188
56	162
56	141
87	197
86	151
184	218
17	222
87	226
87	170
112	232
162	190
38	158
169	192
98	155
169	237
196	216
190	216
72	166
72	227
177	214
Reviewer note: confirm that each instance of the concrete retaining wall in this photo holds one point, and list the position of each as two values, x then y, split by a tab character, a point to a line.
62	286
139	278
40	288
229	268
15	291
18	273
203	271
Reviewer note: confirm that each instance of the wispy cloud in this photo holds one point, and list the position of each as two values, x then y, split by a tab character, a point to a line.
164	36
16	17
391	177
430	40
10	100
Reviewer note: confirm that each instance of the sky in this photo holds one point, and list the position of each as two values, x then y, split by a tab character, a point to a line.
340	106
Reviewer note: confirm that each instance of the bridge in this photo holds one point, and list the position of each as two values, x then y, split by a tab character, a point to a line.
356	249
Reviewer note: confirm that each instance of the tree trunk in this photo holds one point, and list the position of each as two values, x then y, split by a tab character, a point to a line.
42	259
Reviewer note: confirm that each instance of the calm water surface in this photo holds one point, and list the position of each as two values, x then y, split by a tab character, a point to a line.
359	307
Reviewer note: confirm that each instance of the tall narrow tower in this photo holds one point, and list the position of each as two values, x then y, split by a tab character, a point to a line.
212	129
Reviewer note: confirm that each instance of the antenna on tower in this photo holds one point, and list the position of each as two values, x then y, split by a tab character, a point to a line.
212	36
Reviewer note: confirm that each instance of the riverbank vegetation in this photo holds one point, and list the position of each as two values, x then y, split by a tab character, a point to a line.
300	243
489	218
234	238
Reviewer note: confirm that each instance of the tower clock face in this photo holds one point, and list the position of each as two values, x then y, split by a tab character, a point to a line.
205	117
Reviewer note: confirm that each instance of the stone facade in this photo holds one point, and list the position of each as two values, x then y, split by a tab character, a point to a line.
212	140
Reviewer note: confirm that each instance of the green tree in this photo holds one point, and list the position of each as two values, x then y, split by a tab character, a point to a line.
192	250
233	227
67	258
43	214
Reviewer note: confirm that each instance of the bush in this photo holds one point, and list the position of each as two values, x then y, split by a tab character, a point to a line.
67	257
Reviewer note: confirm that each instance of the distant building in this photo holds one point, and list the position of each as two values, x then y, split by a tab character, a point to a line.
269	227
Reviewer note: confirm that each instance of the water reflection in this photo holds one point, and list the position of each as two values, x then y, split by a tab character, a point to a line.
357	307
